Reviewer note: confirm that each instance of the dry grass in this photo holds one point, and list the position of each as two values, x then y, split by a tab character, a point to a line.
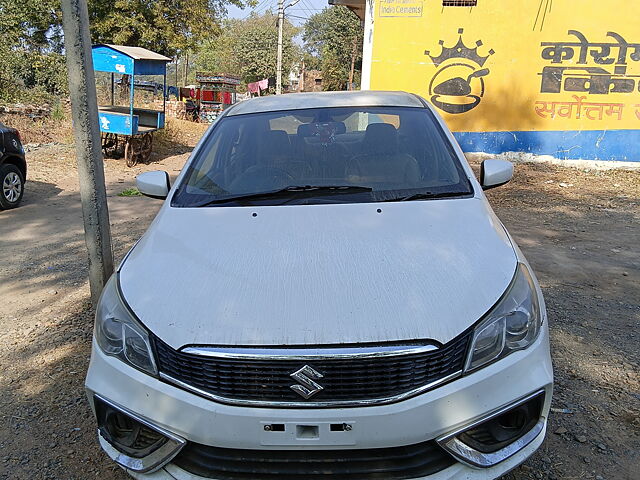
49	130
180	132
45	130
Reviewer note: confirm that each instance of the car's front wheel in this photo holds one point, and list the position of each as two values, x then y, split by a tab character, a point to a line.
12	186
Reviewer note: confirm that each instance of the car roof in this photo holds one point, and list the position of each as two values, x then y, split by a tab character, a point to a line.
299	101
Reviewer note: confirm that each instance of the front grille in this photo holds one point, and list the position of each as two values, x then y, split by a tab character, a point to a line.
345	381
395	463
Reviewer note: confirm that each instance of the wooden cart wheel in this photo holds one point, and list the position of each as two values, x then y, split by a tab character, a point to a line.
108	141
147	146
112	147
131	151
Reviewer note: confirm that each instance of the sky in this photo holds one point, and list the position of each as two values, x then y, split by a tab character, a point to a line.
296	14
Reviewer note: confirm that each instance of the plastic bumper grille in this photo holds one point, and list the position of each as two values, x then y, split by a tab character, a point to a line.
344	381
381	463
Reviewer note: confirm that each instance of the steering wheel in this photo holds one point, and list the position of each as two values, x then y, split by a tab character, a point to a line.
262	177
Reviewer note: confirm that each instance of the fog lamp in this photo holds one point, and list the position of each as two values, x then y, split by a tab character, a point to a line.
132	441
498	436
501	430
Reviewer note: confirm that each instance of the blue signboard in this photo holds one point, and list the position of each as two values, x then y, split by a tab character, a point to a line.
119	123
106	59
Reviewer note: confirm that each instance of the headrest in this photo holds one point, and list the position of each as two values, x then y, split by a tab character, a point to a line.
305	130
380	138
340	128
274	142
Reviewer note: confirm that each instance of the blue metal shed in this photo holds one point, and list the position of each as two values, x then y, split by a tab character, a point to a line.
136	124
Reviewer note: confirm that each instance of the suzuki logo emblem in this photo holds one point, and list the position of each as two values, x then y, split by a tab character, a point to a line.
306	376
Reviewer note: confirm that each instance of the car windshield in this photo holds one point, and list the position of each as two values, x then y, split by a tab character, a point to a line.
323	155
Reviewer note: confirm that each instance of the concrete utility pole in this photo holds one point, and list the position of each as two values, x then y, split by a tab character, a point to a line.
86	132
281	9
279	60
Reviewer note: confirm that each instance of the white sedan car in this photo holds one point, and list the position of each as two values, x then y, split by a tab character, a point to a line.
325	293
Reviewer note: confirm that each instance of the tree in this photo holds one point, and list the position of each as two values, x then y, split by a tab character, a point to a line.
335	37
32	43
249	47
31	46
35	25
164	26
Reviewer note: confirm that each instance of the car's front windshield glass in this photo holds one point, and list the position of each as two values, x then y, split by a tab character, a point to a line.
323	155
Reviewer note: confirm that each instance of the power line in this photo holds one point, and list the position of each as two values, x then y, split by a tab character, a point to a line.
263	4
304	7
303	10
310	6
268	7
263	7
296	16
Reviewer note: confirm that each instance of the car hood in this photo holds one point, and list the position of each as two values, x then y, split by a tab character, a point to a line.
318	274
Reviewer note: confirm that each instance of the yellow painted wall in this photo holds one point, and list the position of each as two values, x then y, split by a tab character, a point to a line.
590	83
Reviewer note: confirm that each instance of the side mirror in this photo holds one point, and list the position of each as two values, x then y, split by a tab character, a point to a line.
154	184
494	173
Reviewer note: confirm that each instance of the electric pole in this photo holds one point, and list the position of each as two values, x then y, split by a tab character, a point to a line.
86	132
279	60
281	9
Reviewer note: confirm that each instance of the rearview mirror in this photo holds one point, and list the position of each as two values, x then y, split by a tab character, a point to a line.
154	184
494	173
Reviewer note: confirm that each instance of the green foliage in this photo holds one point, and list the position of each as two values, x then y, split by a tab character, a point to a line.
248	48
31	76
31	24
333	38
31	37
130	192
311	62
33	68
335	74
164	26
57	112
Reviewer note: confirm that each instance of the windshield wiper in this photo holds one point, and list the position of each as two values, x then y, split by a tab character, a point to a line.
425	196
287	191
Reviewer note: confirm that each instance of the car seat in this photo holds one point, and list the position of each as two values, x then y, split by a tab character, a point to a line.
381	161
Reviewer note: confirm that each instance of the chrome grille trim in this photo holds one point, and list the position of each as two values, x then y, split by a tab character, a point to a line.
311	404
333	353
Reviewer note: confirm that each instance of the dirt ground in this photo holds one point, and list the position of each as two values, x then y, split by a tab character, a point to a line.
579	229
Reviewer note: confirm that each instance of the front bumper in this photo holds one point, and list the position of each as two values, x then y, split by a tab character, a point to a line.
432	415
458	471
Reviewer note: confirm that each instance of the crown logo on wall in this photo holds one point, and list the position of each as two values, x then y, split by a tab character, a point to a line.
459	50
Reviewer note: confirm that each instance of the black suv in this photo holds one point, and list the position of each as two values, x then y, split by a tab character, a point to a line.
13	168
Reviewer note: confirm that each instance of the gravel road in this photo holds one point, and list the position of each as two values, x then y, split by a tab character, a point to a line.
579	229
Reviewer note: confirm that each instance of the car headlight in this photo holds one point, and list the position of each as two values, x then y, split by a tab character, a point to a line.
119	334
513	324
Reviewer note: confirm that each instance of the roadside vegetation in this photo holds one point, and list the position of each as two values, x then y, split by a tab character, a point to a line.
130	192
196	33
333	44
